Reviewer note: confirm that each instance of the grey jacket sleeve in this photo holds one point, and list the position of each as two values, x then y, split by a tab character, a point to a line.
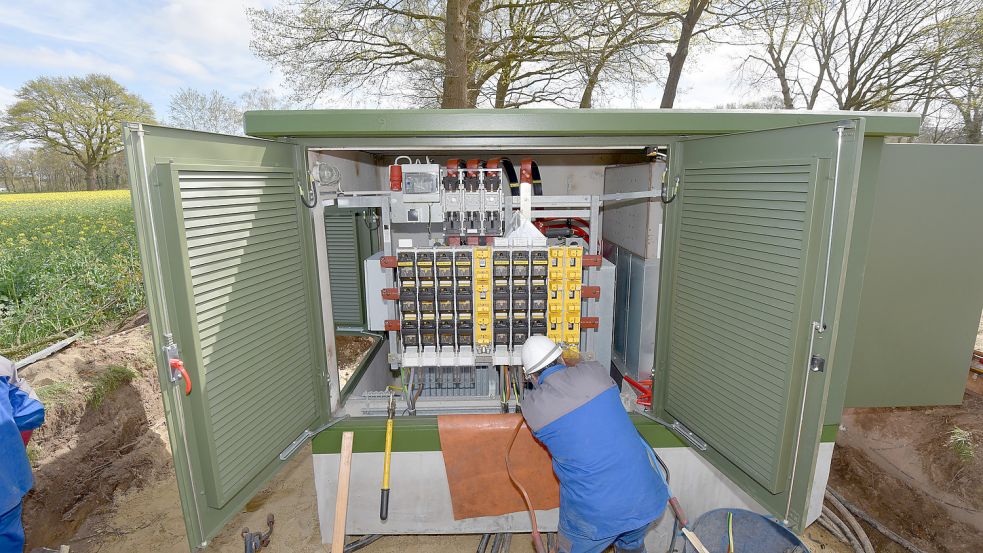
562	392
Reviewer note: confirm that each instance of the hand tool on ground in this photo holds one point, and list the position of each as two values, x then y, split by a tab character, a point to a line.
384	504
255	541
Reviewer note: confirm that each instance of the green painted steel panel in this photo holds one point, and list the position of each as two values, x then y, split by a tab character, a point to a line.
923	287
745	253
345	268
742	283
227	252
853	279
550	122
421	434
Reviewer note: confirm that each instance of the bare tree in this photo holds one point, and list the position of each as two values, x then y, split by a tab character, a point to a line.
879	52
780	38
355	45
465	53
698	20
962	89
519	61
613	42
262	99
215	112
201	111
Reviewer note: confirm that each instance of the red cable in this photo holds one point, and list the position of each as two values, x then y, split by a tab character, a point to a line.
645	394
580	220
579	231
537	539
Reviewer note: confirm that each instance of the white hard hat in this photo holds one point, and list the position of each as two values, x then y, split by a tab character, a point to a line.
538	352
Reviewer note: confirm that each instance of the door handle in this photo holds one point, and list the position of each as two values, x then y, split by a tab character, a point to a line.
178	365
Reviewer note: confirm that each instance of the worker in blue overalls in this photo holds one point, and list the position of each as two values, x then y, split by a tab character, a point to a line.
610	488
20	413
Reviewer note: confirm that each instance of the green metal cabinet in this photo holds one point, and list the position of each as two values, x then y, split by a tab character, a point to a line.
780	262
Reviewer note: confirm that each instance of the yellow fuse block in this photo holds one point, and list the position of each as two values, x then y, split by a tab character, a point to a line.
482	278
574	263
572	295
554	328
556	266
571	334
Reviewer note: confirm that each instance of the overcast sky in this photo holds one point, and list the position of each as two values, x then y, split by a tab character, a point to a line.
155	47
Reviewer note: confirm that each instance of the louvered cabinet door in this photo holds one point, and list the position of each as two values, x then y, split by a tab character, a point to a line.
741	260
345	267
228	256
744	280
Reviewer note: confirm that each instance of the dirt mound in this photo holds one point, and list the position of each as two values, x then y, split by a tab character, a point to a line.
352	349
104	432
898	465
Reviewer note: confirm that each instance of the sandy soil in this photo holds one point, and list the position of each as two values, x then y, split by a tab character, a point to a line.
87	452
897	465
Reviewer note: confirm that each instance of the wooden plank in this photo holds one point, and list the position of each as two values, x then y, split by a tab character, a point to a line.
341	503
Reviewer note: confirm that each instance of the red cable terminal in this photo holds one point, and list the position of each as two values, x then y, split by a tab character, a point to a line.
590	292
592	261
392	324
390	293
178	365
589	322
387	262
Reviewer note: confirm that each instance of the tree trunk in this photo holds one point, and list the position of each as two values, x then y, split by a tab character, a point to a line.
782	73
90	178
678	59
974	131
587	98
471	44
502	87
455	93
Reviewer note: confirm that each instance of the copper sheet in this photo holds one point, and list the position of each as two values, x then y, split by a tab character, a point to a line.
474	455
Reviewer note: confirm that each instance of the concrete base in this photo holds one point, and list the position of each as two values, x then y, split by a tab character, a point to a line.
420	501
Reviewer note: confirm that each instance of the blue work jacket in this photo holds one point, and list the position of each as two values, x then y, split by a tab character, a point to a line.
20	410
608	484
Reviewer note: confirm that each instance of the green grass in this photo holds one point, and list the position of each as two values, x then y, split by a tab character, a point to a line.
108	382
68	262
33	454
961	442
52	395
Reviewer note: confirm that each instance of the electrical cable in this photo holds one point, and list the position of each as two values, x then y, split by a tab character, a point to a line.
830	492
843	531
675	533
483	543
362	542
852	522
417	394
371	214
309	195
537	539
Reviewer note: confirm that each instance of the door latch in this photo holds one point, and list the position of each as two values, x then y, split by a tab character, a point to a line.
817	364
176	365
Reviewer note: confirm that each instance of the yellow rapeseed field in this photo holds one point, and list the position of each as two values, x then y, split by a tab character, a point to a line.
68	263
